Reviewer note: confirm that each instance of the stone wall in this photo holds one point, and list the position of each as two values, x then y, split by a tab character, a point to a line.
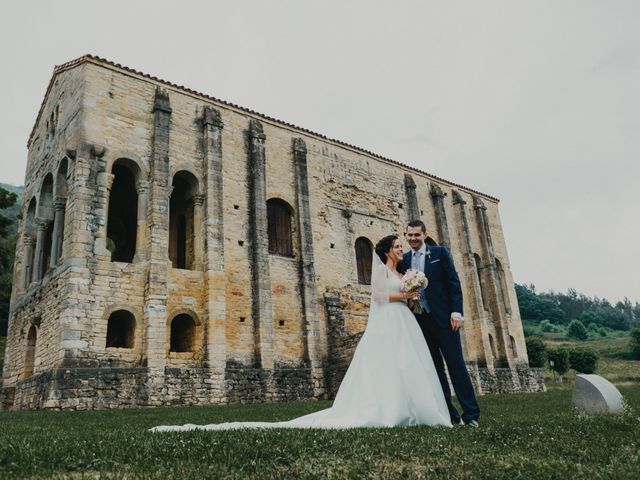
99	388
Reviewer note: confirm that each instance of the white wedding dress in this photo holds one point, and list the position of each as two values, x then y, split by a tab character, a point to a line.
391	380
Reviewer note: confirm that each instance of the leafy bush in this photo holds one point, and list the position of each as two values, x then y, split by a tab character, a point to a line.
560	359
530	331
548	327
583	361
536	351
634	343
576	330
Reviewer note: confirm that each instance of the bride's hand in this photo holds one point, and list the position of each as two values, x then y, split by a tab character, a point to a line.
413	295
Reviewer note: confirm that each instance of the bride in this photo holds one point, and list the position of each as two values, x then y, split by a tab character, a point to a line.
391	380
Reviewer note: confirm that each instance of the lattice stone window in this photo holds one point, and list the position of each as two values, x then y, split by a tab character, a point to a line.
121	329
279	226
364	252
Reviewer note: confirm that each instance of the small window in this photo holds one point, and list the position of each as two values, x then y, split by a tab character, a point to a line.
279	226
183	334
121	329
364	253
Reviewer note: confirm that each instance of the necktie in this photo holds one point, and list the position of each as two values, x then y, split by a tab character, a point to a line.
415	265
415	261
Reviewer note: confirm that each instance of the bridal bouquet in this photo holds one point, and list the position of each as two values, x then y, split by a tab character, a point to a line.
414	280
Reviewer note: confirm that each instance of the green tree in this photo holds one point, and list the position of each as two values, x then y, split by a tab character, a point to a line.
536	351
7	249
634	343
577	330
590	317
558	361
583	361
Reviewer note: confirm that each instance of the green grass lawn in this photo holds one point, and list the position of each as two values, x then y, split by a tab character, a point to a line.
521	436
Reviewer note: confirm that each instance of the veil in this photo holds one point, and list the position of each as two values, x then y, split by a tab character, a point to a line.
379	285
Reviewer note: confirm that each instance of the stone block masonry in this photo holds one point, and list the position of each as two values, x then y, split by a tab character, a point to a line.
175	249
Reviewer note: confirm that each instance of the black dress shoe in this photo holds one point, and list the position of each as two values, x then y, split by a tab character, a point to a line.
456	421
472	423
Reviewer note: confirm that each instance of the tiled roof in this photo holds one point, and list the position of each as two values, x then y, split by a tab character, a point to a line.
102	61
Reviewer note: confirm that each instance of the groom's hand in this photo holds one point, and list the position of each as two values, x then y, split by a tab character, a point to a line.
456	323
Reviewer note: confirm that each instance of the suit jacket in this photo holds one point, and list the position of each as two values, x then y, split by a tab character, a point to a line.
443	293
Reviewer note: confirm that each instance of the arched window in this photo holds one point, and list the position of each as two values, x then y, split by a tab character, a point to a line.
364	253
514	347
183	333
122	224
30	355
29	243
59	207
181	223
45	222
279	226
121	329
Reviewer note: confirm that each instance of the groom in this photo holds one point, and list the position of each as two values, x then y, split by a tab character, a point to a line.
441	319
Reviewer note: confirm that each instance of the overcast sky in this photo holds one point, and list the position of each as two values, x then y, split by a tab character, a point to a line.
535	102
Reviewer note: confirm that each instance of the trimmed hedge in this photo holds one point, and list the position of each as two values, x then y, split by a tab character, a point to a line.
536	351
583	361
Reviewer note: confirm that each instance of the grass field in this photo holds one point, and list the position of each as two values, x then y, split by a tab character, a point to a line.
615	361
521	436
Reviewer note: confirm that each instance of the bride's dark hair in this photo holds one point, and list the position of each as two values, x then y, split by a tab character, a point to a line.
384	245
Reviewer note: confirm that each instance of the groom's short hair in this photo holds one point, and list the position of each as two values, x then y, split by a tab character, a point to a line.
418	223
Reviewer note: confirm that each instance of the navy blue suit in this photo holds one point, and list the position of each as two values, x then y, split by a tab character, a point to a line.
444	296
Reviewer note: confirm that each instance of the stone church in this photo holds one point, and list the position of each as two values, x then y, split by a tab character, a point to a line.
178	249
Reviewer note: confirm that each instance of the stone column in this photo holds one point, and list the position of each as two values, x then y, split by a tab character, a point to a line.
58	230
142	188
262	304
313	330
471	272
104	182
198	218
155	305
27	266
213	248
492	285
441	217
413	210
41	231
